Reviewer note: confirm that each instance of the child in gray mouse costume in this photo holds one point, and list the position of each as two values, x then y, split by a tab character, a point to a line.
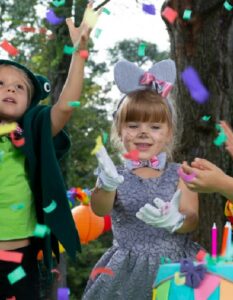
151	208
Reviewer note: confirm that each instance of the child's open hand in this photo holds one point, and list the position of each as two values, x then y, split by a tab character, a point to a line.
164	214
109	179
207	176
80	35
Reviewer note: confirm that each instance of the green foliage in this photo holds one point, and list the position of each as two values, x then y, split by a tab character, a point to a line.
128	49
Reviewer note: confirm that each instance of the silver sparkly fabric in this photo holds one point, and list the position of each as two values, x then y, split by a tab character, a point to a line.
137	247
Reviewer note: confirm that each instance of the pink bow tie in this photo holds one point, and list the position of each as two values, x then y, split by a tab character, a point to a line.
156	162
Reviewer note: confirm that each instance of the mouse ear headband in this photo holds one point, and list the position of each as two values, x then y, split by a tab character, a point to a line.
130	78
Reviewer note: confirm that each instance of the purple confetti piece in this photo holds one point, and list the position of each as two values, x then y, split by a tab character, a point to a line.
52	18
148	8
193	83
63	293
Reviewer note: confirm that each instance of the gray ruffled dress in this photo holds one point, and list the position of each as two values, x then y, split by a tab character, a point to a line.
137	247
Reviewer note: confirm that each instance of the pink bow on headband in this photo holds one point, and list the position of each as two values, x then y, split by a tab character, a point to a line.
161	86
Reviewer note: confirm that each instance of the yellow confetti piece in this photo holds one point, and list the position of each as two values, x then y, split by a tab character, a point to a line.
154	294
7	128
98	145
90	17
179	280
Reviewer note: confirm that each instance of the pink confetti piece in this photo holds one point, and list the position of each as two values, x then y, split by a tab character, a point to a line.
186	177
8	47
84	54
132	155
169	14
12	298
11	256
97	271
58	273
52	18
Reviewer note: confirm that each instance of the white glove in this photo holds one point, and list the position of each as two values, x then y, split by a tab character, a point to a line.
108	178
164	215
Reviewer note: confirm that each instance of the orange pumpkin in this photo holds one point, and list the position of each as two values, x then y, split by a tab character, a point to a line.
89	225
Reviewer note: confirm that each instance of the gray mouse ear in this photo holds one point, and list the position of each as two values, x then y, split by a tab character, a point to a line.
127	76
164	70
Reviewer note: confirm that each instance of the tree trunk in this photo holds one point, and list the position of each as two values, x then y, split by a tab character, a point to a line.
205	43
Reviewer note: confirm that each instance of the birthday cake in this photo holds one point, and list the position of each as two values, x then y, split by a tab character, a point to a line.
190	280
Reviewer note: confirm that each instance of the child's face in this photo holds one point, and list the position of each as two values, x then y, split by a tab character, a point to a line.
146	137
13	93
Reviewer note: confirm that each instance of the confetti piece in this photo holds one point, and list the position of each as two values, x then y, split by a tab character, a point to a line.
12	298
179	280
74	103
149	9
41	230
97	32
58	273
99	144
221	138
187	14
132	155
106	11
16	140
63	293
58	3
169	14
18	206
16	275
27	29
164	260
90	17
2	155
105	137
193	83
97	271
7	128
227	5
52	18
69	50
141	49
201	254
186	177
206	118
8	47
84	54
11	256
52	206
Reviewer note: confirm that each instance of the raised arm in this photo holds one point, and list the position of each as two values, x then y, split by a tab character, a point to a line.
61	111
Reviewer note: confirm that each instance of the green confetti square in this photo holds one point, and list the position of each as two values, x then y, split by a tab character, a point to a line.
16	275
227	5
41	230
187	14
141	49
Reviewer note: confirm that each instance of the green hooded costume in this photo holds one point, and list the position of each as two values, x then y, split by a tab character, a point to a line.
43	152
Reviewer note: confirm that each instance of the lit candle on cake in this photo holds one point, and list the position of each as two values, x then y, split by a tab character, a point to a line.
214	240
224	240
